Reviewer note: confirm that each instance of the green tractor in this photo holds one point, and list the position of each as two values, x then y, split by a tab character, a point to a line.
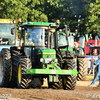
73	52
37	58
82	63
65	55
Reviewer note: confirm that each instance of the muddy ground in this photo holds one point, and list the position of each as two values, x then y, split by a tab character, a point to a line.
82	92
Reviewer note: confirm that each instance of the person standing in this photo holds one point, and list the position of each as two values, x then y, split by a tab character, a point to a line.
98	74
92	65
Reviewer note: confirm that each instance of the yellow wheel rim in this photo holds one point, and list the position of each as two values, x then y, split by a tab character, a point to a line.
19	73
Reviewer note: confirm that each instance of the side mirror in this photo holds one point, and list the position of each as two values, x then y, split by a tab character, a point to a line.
12	31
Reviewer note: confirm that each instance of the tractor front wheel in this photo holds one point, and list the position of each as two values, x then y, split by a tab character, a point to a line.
69	81
19	77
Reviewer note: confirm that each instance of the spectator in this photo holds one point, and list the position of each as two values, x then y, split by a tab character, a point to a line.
92	65
98	74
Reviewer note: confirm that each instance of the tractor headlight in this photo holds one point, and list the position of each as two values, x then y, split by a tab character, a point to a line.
19	28
14	21
56	60
41	60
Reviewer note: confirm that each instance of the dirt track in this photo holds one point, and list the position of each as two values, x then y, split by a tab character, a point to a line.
82	92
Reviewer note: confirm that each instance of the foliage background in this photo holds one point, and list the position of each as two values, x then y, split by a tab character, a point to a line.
77	14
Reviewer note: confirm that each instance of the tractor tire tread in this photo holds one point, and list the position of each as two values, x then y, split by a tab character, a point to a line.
6	68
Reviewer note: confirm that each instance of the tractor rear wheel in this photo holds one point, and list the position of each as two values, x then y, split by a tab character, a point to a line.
19	77
69	81
70	54
82	69
5	67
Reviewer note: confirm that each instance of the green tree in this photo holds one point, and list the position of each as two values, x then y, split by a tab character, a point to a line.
28	10
36	11
14	9
70	12
93	23
74	14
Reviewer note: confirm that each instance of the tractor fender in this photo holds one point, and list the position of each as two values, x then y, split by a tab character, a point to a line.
21	50
2	47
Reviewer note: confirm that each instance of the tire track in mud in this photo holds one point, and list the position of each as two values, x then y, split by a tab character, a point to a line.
80	93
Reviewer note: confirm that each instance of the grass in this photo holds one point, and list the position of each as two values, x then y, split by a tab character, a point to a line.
90	77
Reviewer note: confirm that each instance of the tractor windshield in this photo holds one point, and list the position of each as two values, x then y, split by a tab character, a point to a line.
6	38
62	39
34	37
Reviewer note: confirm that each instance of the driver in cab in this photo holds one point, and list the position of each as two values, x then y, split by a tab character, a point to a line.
36	38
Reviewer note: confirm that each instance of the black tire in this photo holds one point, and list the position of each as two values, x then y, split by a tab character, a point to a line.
5	73
82	69
70	54
69	82
19	77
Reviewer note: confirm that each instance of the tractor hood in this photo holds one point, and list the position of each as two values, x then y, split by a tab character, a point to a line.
46	53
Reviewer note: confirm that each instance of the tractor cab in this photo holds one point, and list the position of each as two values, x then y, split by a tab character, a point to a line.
37	39
65	42
6	38
62	41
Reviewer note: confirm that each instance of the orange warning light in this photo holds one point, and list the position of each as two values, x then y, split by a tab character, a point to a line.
76	30
19	20
58	21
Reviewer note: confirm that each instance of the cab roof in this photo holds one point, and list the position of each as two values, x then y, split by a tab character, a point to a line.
8	21
41	24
